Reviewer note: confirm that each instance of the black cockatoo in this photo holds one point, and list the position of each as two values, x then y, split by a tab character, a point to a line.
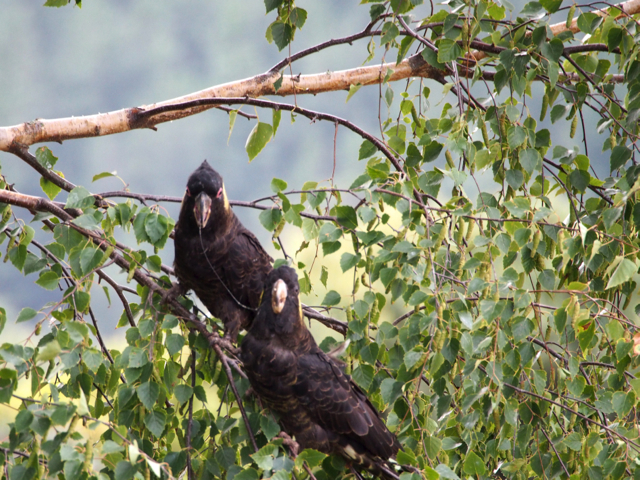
216	256
317	402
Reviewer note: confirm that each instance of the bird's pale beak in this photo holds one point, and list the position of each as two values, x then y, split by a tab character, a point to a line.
202	209
278	296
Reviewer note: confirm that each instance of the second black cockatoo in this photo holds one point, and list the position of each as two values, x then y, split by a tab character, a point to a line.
317	402
216	256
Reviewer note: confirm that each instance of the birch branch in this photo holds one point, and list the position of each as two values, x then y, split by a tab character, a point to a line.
57	130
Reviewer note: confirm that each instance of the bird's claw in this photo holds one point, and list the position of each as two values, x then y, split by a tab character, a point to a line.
175	291
215	339
294	447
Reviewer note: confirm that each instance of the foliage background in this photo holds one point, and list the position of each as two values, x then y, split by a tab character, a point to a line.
516	380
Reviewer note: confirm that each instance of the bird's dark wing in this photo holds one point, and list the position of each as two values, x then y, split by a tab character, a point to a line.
251	238
271	370
338	405
245	268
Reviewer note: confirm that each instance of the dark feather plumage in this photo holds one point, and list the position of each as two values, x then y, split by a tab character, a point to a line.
222	262
318	403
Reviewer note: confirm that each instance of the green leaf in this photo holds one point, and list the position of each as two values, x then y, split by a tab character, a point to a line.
389	32
363	375
155	422
78	331
331	298
516	136
174	343
614	37
551	6
298	17
48	280
270	218
348	260
265	456
282	33
366	150
473	465
278	185
49	188
272	4
418	297
433	446
183	393
89	221
138	358
23	420
445	472
155	226
352	90
432	152
148	393
309	229
68	237
3	319
329	233
258	138
530	160
610	216
588	22
553	49
626	269
311	457
515	178
390	390
81	300
269	427
623	402
586	336
92	359
369	353
103	175
90	258
124	470
26	314
347	217
18	256
56	3
45	157
79	197
547	279
448	50
619	157
580	180
247	474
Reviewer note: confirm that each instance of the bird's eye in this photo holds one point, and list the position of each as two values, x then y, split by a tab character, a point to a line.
188	192
219	194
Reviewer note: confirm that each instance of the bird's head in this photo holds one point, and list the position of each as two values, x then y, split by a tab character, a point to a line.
282	299
205	199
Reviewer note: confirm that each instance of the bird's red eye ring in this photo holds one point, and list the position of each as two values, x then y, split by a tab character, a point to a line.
219	193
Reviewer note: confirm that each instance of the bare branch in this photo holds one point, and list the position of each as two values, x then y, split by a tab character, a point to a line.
119	291
58	130
225	364
333	323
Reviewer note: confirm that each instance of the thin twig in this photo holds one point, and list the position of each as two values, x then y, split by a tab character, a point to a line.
225	365
190	422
